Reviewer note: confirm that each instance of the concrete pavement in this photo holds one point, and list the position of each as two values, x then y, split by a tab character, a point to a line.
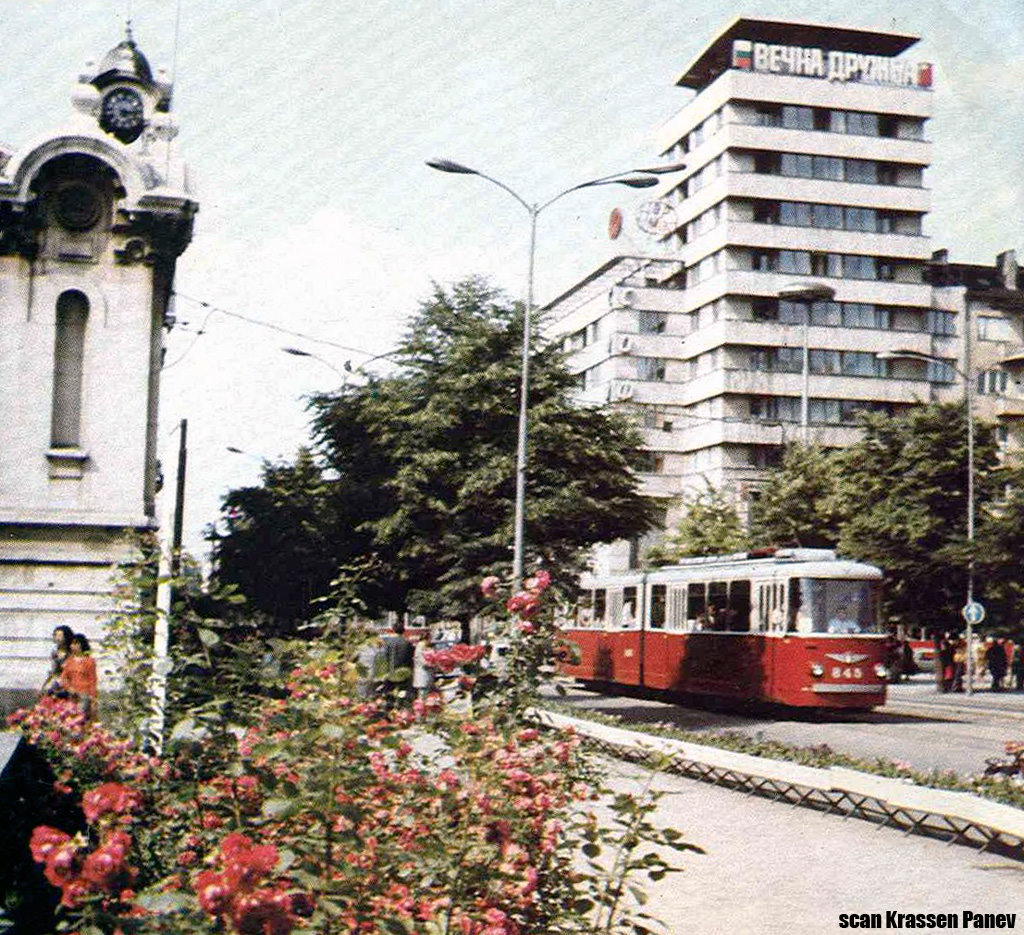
770	869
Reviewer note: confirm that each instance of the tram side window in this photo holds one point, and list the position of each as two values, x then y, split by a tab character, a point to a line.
585	609
658	606
716	614
795	601
600	607
739	606
696	604
628	617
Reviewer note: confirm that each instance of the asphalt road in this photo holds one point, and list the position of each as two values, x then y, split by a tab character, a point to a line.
916	726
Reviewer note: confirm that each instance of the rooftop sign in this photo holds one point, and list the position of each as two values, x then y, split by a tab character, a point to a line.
813	62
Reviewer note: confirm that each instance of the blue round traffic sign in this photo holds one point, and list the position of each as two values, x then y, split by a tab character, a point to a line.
973	612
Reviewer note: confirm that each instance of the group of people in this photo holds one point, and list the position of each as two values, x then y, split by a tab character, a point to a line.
396	669
72	670
998	658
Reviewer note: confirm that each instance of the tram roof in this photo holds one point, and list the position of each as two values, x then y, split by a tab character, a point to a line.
813	563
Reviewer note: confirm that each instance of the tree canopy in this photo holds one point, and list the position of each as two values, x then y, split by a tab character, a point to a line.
711	525
416	472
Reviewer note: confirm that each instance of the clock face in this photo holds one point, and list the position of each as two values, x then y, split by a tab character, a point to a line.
123	114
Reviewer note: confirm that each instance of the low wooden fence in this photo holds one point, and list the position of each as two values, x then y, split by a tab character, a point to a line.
958	817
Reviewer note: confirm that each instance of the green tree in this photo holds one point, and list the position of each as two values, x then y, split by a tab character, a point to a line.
998	570
901	496
795	505
278	545
415	471
711	525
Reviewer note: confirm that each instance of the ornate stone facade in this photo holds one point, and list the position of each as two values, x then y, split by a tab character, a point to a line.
92	220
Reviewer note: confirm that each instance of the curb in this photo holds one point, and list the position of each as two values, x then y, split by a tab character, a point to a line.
958	817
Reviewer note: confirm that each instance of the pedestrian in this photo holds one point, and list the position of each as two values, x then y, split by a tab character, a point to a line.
907	665
980	659
398	663
61	649
1017	665
959	664
422	674
78	675
946	663
370	667
995	656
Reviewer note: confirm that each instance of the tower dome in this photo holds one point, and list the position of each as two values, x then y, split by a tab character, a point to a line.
121	62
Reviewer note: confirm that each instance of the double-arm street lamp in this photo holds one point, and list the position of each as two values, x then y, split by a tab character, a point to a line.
636	178
969	414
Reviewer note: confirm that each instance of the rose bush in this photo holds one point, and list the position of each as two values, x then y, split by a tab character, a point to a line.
304	806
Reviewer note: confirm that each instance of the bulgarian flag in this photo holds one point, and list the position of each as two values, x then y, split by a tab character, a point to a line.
742	54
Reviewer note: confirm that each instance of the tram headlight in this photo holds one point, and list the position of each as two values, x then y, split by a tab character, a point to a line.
881	671
817	670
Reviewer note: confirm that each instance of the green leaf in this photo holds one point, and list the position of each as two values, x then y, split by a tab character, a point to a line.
279	809
208	637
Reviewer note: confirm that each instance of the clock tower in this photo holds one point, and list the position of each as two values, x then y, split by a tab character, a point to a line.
93	218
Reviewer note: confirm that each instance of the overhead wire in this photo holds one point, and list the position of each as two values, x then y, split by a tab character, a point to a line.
211	309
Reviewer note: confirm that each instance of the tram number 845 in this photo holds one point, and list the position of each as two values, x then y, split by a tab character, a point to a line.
838	672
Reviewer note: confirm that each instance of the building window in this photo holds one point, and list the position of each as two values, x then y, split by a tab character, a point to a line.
993	382
650	368
940	371
860	267
993	328
651	322
649	462
764	456
943	323
797	118
68	354
775	409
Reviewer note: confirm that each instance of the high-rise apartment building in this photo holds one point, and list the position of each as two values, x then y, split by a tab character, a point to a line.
793	253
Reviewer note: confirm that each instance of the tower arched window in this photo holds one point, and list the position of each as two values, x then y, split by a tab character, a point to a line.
68	354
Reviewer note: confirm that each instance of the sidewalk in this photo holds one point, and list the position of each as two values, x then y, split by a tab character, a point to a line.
919	695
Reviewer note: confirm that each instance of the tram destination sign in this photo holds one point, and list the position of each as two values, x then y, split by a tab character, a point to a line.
812	62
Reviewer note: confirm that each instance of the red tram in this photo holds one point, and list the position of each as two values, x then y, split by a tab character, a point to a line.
791	626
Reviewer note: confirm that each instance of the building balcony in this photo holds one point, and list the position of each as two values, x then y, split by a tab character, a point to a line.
790	89
1005	407
820	143
822	191
785	237
662	486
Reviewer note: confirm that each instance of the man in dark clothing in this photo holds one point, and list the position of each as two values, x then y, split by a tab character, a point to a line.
995	655
398	659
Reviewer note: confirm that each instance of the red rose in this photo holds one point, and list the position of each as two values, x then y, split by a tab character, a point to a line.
263	912
213	893
45	840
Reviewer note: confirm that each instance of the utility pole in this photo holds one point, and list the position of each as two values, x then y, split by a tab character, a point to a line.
170	568
179	499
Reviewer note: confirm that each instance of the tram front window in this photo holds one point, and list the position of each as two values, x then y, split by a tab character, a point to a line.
829	605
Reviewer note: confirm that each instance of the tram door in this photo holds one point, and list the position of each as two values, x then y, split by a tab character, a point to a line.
771	620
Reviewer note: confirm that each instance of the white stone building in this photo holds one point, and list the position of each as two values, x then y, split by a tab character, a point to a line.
92	220
806	151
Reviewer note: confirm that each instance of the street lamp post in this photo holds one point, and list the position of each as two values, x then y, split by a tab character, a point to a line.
969	415
805	294
637	178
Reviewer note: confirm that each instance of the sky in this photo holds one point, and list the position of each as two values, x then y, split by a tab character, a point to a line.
306	124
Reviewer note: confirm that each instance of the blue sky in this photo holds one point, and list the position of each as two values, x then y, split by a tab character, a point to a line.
307	123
